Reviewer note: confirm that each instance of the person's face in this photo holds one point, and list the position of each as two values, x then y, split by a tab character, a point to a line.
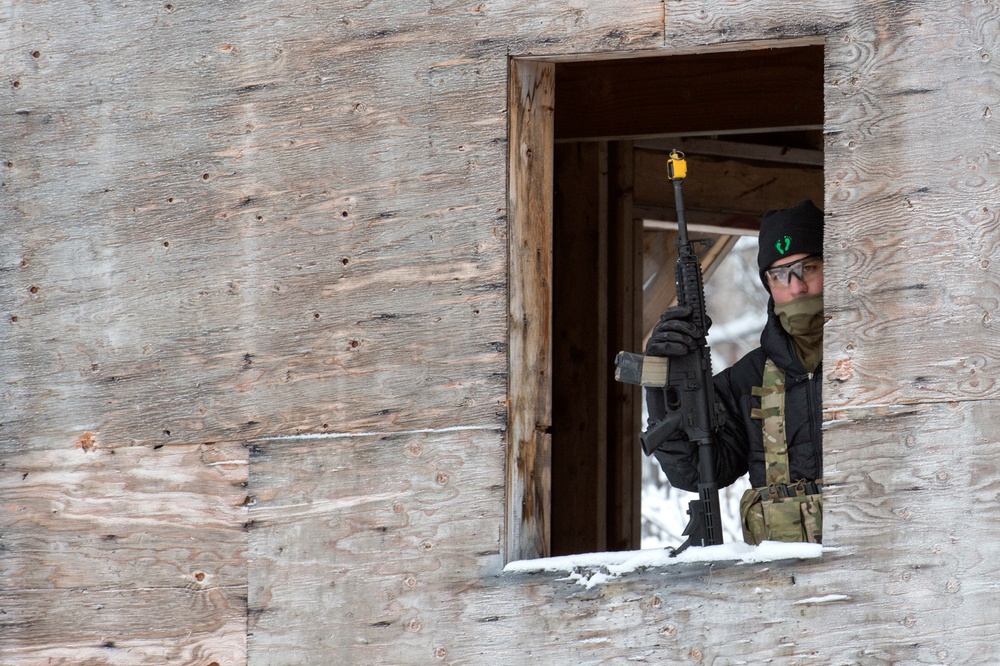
794	277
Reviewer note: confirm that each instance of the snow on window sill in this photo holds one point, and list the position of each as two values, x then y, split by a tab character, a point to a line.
591	569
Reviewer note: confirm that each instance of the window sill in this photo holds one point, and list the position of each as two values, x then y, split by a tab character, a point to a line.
592	569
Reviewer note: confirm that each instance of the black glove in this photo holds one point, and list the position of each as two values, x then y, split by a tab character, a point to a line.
674	334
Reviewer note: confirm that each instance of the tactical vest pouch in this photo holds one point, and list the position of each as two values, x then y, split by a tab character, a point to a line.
770	514
778	511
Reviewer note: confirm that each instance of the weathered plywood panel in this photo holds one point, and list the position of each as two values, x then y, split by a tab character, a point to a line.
912	490
125	627
729	24
912	206
124	555
829	611
913	309
616	25
209	233
356	542
823	612
913	462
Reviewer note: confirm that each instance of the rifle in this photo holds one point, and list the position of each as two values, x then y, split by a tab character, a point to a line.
685	380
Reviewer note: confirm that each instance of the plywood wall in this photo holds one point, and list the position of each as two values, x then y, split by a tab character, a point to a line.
253	296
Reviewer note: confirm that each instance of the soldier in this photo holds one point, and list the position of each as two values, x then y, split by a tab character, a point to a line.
771	398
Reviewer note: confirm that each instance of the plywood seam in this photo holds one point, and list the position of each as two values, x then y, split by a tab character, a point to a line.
101	588
382	433
724	46
902	403
663	22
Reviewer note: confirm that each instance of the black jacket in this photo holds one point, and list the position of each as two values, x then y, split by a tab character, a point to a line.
740	442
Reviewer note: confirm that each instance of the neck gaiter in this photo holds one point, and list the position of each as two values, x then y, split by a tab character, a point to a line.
803	320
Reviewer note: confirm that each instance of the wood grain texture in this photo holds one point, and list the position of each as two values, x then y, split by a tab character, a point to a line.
720	614
124	555
124	627
913	489
377	552
530	306
912	208
915	460
834	610
730	25
231	236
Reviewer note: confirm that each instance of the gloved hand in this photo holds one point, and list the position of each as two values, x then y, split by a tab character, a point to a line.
674	334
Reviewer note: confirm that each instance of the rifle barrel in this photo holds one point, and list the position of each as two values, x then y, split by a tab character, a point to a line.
682	227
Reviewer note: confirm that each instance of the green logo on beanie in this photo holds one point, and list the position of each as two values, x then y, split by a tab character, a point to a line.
783	244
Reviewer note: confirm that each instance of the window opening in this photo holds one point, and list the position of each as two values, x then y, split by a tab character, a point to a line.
590	212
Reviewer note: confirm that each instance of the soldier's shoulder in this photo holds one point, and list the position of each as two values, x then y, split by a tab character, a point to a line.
745	373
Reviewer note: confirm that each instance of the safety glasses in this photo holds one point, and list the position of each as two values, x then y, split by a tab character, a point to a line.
805	269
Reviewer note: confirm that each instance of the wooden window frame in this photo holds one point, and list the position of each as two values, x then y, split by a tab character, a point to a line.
529	444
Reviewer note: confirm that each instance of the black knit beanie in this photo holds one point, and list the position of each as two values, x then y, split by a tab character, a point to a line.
795	230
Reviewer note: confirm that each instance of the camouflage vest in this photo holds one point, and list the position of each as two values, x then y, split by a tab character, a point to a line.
781	510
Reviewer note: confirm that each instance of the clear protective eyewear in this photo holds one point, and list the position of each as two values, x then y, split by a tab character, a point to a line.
805	269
